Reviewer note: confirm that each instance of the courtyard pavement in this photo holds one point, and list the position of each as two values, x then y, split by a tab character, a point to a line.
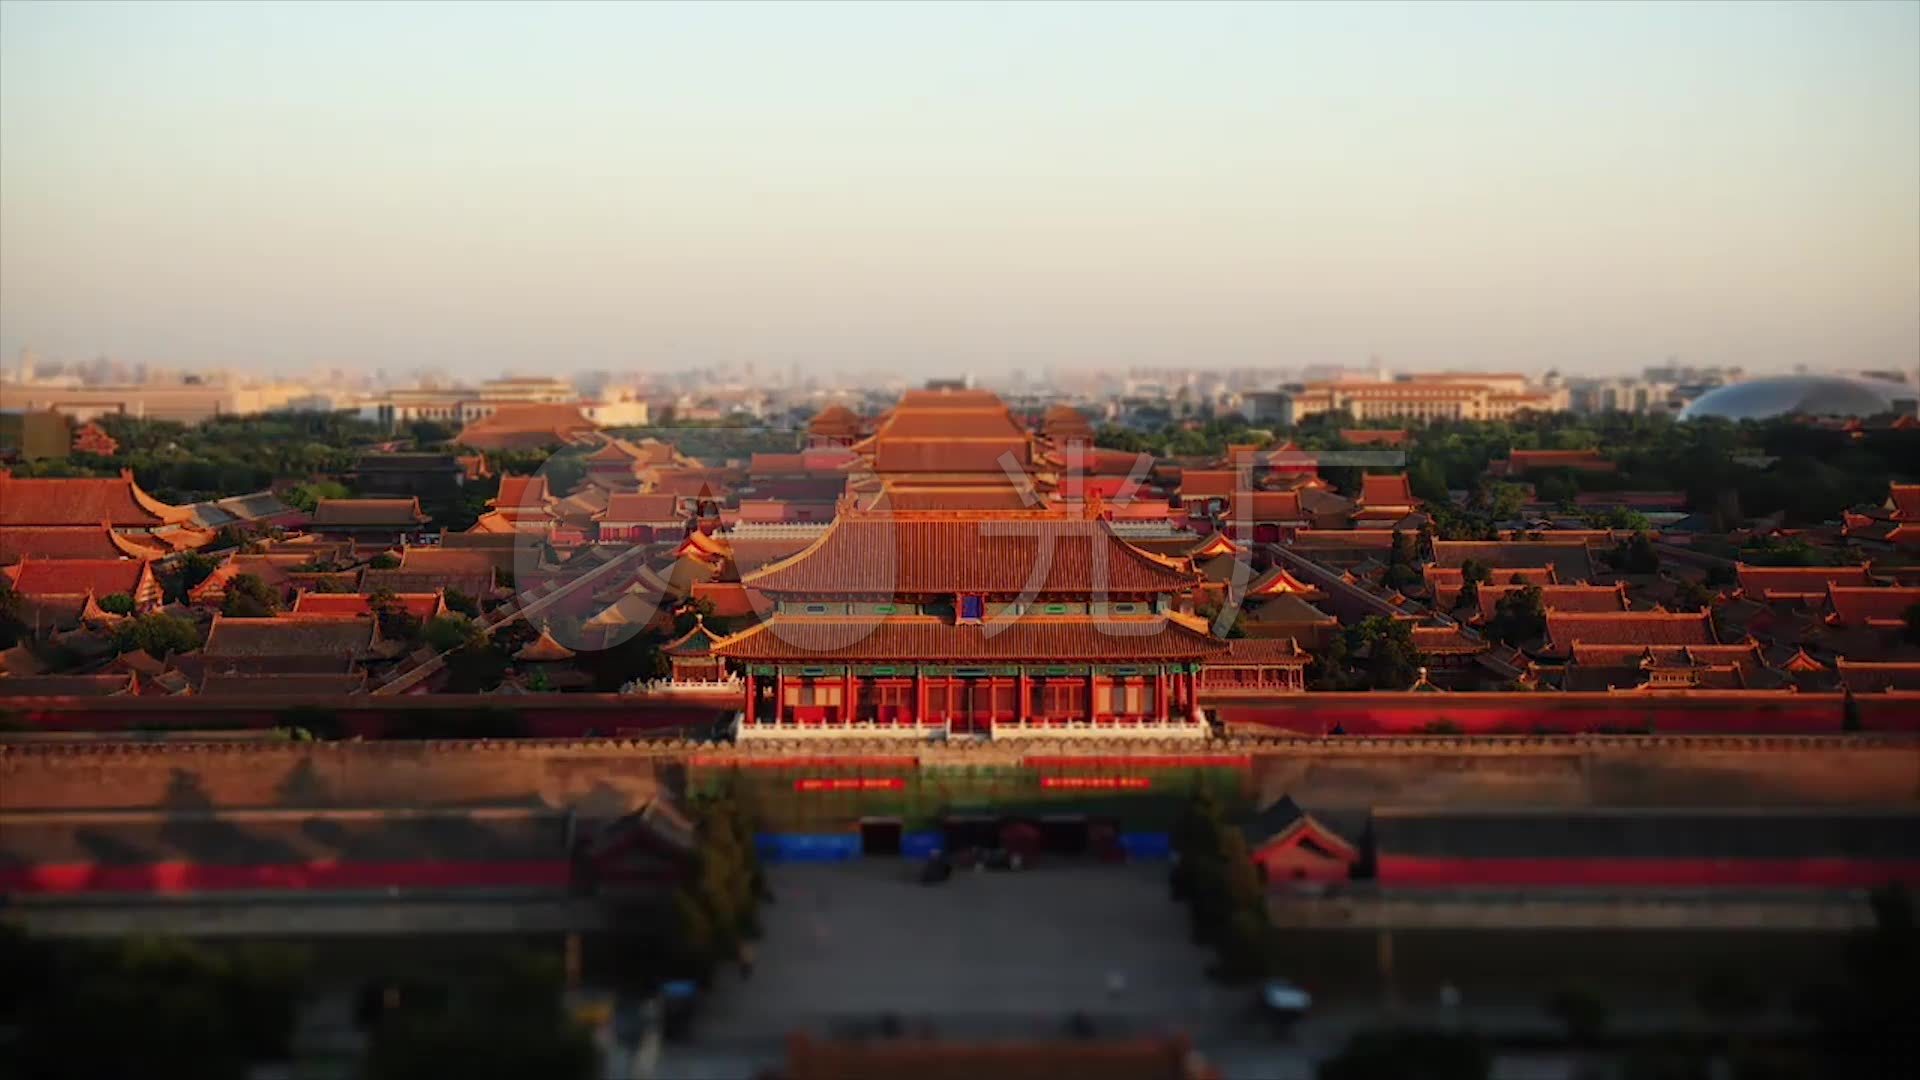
997	955
985	953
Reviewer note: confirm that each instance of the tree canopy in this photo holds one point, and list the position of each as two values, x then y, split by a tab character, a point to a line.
248	597
148	1007
157	633
507	1022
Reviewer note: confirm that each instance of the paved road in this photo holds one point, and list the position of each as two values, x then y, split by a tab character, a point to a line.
1013	955
999	956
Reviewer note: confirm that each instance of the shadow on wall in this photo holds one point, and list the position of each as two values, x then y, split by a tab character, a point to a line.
302	786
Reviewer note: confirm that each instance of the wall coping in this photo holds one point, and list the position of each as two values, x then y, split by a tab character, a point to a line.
1339	746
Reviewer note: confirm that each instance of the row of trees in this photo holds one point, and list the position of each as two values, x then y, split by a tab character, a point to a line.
506	1022
1864	1027
224	455
1725	469
716	909
1377	653
159	1008
1213	872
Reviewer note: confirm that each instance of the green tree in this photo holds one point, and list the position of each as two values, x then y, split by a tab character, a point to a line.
1214	873
1330	667
445	633
1795	551
156	633
148	1007
1196	834
1402	568
1505	500
117	603
248	597
477	667
1556	486
1520	617
1457	523
1410	1054
1384	650
1427	478
307	496
462	603
316	722
396	622
1472	574
693	946
1692	596
740	818
1620	517
384	561
1245	945
188	571
427	433
1582	1014
13	615
1469	595
506	1025
1636	556
722	881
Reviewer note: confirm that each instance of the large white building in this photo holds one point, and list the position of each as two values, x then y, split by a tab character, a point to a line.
1425	398
461	405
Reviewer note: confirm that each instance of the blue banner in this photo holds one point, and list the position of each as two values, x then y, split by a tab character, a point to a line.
807	847
1146	845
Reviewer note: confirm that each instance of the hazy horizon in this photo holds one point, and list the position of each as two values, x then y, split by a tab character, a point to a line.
934	188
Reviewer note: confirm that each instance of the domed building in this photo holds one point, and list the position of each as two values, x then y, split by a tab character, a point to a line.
1805	395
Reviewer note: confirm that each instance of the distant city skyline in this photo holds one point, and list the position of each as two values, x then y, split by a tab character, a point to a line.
944	188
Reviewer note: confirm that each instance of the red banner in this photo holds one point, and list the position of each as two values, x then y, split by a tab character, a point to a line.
1137	761
1097	783
849	783
820	761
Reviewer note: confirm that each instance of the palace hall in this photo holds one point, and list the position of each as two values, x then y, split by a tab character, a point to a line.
958	591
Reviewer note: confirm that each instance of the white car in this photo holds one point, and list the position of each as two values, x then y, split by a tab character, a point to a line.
1282	998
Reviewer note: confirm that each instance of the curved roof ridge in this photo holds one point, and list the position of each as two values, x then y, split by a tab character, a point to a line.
764	569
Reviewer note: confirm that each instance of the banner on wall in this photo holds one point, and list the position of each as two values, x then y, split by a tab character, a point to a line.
849	783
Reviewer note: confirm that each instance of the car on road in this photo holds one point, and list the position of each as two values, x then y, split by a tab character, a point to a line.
1283	1002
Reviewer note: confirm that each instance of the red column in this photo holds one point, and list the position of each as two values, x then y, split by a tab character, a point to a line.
850	698
919	697
779	695
1093	682
750	701
1160	685
1021	690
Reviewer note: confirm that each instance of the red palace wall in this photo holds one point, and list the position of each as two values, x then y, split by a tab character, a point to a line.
1424	872
187	877
1697	713
1311	714
547	717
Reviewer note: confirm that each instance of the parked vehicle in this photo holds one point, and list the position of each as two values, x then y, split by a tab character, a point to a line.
680	1001
1284	1002
1002	859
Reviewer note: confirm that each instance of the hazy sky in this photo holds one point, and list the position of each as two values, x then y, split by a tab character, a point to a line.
944	187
